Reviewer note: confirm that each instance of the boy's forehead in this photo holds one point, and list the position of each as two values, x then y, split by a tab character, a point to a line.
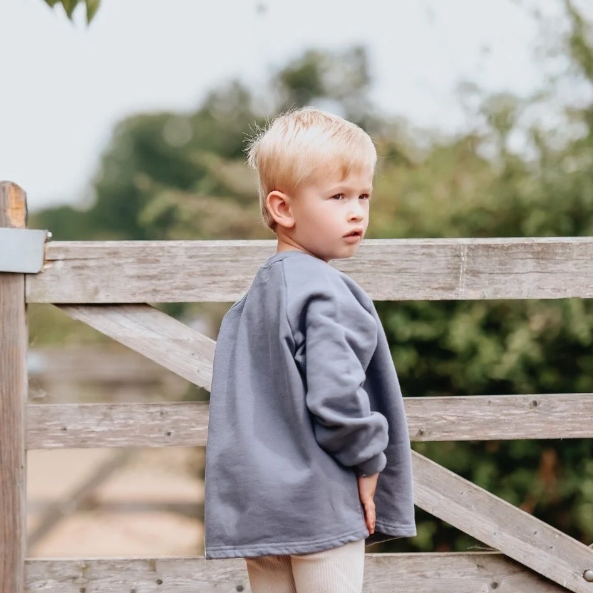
360	181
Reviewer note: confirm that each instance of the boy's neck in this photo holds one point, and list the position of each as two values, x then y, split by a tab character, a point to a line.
288	246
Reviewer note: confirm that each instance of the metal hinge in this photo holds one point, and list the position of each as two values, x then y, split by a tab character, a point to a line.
22	250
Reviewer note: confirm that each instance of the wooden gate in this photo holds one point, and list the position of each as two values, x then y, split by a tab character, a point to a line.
107	285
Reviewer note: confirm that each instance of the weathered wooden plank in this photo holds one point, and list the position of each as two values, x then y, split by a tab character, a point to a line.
500	417
501	525
472	572
138	424
13	396
388	269
185	424
154	334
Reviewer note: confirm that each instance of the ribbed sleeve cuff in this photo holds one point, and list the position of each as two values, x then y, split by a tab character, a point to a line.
371	466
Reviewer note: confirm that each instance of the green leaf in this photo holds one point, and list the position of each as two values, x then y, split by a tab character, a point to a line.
69	6
52	3
92	6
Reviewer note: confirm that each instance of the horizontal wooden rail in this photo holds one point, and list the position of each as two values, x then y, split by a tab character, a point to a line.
388	269
384	573
480	418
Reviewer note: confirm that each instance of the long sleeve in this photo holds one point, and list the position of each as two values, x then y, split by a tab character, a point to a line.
340	338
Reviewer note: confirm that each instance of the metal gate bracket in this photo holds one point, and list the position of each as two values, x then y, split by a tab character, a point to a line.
22	250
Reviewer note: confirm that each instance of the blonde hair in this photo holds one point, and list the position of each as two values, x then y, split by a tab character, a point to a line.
300	142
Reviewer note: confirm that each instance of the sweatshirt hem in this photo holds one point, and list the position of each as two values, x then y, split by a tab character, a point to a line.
276	549
406	529
385	532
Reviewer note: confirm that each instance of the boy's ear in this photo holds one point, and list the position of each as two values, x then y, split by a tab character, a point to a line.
279	208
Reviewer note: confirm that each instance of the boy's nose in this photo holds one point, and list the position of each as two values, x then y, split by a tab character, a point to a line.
356	212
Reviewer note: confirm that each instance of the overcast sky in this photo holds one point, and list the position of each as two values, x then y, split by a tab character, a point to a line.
65	85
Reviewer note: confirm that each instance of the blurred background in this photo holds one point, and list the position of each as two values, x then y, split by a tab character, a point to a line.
133	127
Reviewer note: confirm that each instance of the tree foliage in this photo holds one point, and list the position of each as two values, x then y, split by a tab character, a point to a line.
91	7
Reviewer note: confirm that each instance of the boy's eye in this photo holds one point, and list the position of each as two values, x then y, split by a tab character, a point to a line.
365	196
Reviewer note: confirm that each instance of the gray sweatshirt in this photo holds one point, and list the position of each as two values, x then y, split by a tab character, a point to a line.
304	398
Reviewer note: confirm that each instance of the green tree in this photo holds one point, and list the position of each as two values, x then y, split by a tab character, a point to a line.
175	176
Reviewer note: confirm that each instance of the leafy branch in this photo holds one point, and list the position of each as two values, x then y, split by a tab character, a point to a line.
92	6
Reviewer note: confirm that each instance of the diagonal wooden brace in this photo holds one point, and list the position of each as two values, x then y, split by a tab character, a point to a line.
503	526
154	334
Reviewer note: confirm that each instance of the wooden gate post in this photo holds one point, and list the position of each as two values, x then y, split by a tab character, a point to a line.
14	337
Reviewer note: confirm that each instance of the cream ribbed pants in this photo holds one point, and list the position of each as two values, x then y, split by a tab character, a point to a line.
339	570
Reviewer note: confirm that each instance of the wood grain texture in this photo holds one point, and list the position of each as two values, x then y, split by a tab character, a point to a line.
13	397
185	424
73	426
154	334
501	525
388	269
499	417
473	572
13	206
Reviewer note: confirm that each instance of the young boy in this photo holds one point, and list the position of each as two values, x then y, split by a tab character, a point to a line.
308	453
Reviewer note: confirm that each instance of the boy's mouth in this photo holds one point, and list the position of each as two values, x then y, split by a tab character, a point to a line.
355	232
